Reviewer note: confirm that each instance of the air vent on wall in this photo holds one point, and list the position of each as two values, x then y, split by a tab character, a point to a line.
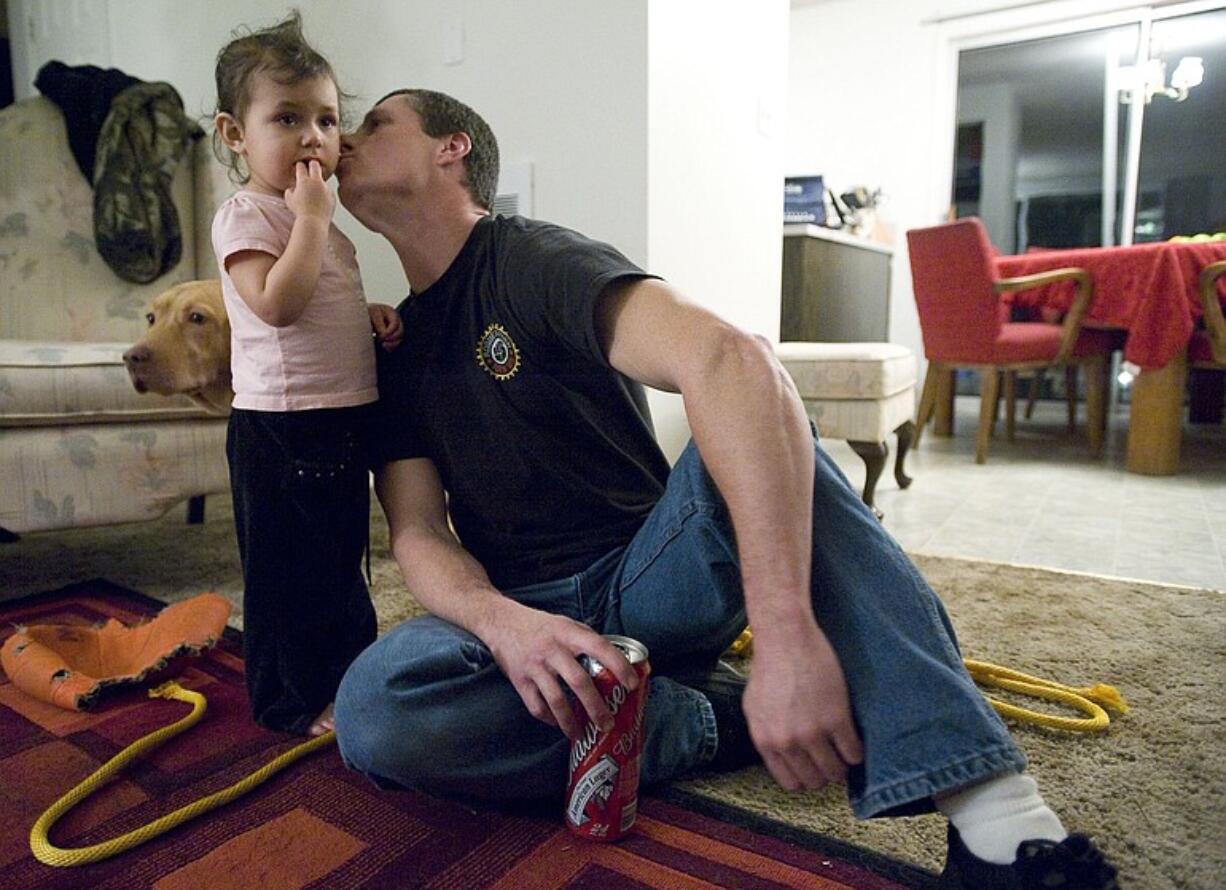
514	195
506	205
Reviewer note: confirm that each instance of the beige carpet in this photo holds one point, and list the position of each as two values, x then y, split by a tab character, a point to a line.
1152	788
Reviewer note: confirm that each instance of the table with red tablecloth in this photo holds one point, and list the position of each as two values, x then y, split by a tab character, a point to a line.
1149	290
1152	292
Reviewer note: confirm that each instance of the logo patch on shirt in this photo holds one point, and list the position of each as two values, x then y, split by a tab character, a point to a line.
497	353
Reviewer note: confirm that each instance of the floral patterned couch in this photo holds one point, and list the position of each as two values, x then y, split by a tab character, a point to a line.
79	446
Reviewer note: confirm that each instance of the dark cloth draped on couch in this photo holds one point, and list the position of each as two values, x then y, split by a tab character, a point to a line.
127	137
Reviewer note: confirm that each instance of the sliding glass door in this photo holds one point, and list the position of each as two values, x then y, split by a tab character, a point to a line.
1098	136
1053	143
1182	164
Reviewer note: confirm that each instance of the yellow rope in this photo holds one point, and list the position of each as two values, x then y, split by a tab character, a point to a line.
49	854
1090	700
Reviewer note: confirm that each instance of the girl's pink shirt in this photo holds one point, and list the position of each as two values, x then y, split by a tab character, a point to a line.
326	358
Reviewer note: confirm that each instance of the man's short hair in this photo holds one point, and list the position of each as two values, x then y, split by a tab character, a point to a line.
441	115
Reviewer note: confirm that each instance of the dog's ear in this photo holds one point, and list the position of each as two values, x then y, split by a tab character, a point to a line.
212	294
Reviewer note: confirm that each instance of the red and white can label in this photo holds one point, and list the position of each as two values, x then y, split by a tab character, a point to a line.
602	792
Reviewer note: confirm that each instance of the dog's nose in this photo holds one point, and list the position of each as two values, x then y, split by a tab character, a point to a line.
136	355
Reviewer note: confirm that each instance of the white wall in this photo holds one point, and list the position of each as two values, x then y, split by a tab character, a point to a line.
716	85
872	87
533	70
568	85
859	112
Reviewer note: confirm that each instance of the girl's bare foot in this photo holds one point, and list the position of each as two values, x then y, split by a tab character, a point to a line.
323	723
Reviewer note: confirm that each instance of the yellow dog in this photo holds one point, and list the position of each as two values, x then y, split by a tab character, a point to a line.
187	347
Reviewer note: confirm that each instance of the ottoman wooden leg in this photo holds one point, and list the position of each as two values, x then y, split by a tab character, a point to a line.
906	435
873	454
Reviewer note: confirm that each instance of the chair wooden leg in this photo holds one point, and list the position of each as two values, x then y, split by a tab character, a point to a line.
989	391
1036	387
1070	396
943	418
996	404
1010	403
928	400
873	454
1096	403
906	435
1105	374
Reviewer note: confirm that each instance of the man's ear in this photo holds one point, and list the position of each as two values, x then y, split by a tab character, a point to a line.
231	131
455	147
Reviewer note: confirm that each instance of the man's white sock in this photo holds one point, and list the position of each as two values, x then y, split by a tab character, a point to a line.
996	815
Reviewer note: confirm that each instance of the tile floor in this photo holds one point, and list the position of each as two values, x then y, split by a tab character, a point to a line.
1041	500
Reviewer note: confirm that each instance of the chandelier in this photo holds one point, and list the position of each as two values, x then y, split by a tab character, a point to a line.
1149	79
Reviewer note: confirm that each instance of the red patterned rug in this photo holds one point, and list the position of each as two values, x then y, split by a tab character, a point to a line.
318	824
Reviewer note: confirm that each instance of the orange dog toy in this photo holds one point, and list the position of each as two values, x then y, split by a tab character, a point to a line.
71	666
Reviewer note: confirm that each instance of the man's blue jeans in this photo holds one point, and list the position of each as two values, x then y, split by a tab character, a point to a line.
425	705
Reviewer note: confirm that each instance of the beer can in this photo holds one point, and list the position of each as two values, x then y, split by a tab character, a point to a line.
602	793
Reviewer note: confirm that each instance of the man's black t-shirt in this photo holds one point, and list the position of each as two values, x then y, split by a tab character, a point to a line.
546	452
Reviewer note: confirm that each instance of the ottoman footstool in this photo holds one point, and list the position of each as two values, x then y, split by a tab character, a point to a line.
858	392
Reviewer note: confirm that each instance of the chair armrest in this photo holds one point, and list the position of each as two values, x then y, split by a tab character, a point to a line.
1038	279
1071	326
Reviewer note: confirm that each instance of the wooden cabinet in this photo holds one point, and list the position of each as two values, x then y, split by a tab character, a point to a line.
836	287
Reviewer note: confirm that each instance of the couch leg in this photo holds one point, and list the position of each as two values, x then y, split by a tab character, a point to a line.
873	454
195	510
8	537
906	435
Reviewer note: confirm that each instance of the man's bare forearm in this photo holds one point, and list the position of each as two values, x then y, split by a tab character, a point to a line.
447	580
750	428
751	431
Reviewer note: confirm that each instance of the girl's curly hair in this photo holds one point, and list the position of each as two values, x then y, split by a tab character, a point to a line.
283	53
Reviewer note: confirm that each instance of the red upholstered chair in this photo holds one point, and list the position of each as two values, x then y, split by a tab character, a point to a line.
1208	347
957	294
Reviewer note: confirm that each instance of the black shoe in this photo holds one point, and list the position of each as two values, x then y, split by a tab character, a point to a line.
1073	864
724	687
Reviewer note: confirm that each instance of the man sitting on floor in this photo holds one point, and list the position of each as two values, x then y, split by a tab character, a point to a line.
515	407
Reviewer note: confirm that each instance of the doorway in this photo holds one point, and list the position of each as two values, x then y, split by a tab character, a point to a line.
1096	137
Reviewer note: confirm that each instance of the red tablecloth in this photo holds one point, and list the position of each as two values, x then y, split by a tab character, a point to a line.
1150	290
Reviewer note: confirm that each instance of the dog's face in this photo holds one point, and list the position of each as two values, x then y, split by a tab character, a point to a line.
187	347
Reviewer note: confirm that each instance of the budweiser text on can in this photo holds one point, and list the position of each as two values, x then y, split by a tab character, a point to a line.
602	795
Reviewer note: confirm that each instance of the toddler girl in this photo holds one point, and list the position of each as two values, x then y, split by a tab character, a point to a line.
303	363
